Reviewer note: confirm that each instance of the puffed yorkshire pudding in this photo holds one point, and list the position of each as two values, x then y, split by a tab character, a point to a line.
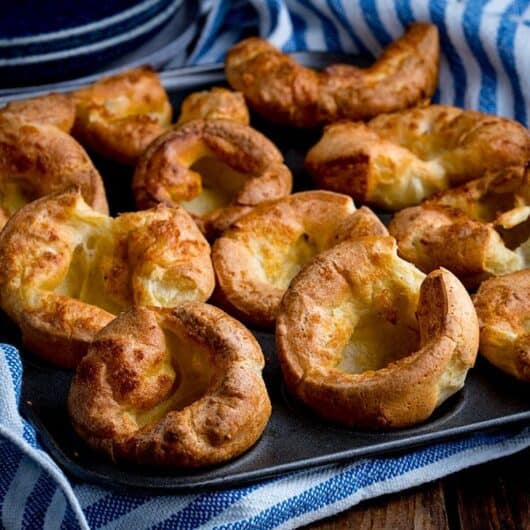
396	160
256	259
52	109
215	169
280	89
66	270
37	159
365	339
503	310
175	387
120	115
214	104
476	230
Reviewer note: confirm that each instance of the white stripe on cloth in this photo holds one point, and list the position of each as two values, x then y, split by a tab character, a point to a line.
56	510
9	415
283	30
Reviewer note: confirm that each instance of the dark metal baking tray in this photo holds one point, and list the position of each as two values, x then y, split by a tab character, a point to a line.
294	438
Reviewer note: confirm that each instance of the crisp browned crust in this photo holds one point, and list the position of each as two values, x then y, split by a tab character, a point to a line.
52	109
174	388
503	309
396	160
214	104
66	270
351	347
276	86
253	172
120	115
476	230
37	159
258	256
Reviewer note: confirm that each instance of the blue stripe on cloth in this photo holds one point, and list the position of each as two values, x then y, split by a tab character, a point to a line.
506	47
10	458
111	507
437	11
337	8
273	7
404	12
70	521
371	15
38	502
331	35
472	19
30	435
296	40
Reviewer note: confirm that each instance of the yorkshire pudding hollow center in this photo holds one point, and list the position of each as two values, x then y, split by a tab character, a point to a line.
190	365
220	184
375	342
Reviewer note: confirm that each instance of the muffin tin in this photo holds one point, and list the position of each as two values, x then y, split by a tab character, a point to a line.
294	438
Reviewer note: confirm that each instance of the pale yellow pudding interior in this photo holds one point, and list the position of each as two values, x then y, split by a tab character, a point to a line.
190	366
92	242
374	324
276	260
220	184
375	343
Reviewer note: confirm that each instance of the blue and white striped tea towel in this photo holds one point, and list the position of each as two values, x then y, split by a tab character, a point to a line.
486	65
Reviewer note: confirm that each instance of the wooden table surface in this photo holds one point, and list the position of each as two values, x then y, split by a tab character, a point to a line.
492	496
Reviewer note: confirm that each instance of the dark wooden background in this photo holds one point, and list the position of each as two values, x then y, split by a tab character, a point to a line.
492	496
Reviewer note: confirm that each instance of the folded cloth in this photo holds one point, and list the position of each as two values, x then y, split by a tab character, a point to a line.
485	66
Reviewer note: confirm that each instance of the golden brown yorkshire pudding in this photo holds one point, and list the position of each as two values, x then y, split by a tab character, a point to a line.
280	89
214	104
66	270
37	159
365	339
215	169
503	309
120	115
396	160
256	259
175	387
476	230
52	109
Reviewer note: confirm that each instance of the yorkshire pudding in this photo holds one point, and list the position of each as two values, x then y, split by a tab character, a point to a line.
476	230
396	160
120	115
256	259
503	310
280	89
52	109
214	104
66	270
215	169
177	387
37	159
365	339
